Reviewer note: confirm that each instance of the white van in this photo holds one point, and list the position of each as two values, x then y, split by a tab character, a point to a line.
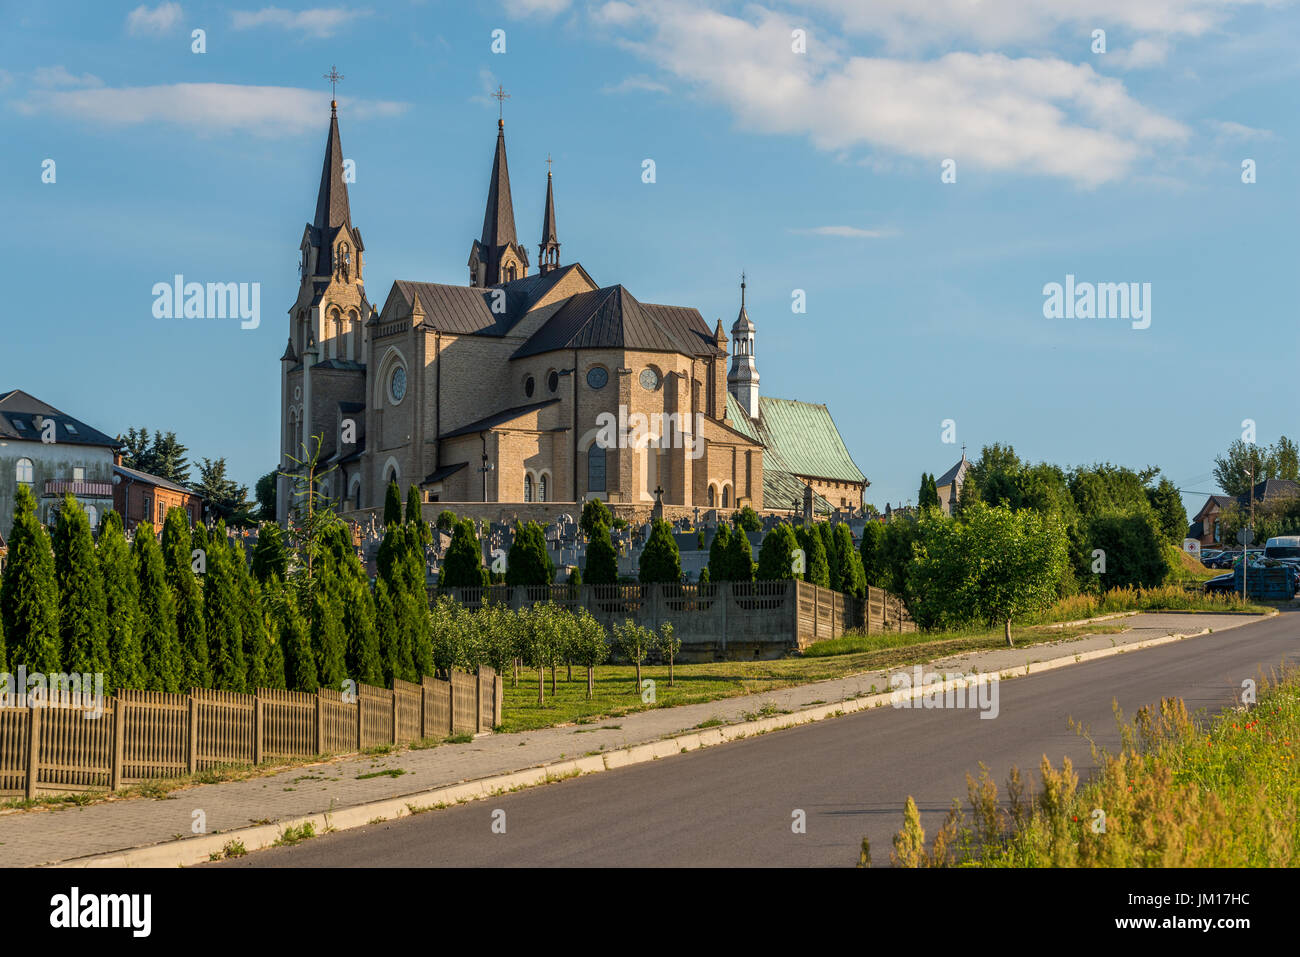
1283	547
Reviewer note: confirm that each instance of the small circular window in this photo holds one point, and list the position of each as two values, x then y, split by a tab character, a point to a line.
649	379
530	386
597	377
397	384
553	381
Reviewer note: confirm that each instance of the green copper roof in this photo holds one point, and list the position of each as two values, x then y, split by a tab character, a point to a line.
801	438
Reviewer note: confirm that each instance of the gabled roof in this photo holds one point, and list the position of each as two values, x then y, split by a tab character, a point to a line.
147	478
499	418
953	474
612	318
801	438
19	410
442	473
782	489
1270	489
466	310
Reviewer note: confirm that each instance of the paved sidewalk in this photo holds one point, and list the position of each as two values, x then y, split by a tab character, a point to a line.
62	834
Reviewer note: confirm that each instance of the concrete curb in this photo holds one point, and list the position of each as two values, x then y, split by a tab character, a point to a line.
197	850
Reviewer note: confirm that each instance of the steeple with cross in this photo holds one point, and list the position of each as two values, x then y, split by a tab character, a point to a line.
333	76
496	256
548	250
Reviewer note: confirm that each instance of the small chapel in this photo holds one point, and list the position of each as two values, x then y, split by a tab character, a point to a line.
503	390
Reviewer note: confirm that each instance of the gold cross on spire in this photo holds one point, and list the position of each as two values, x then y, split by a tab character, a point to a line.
333	76
501	96
548	164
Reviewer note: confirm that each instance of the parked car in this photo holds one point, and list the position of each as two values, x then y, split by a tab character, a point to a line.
1209	554
1222	560
1283	548
1220	583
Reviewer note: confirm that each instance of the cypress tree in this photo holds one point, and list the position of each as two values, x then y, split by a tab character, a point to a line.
221	613
394	654
602	558
270	556
740	556
414	609
362	652
875	571
393	504
294	637
252	622
415	515
462	566
159	647
121	603
191	633
850	564
832	556
816	569
660	559
327	639
528	562
594	512
775	558
719	557
82	623
29	596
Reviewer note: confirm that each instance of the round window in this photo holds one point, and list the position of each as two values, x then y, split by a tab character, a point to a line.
529	386
649	379
553	381
397	384
597	377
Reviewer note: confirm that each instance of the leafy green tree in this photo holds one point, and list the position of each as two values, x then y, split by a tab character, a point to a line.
602	559
270	556
462	566
82	616
719	562
29	595
1234	469
393	504
669	646
121	605
660	560
747	519
592	646
222	616
191	631
594	512
1132	552
446	520
900	533
164	664
447	635
739	557
1167	504
634	643
528	562
776	557
264	491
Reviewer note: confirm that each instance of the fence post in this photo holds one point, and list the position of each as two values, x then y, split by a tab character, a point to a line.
320	725
451	701
361	712
192	760
258	748
394	715
478	699
33	747
498	692
424	708
119	732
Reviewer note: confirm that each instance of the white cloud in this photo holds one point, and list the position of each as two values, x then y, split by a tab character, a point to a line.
846	232
319	22
204	107
47	77
1039	116
161	19
1141	55
636	84
1227	129
530	8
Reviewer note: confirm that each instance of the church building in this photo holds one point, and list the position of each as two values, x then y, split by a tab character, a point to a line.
531	385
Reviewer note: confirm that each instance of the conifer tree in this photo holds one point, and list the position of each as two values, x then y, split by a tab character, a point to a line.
294	637
594	512
528	562
29	596
660	559
775	558
415	608
82	618
164	665
719	557
270	556
121	603
415	515
327	640
852	580
740	556
462	566
393	504
187	593
253	624
832	556
816	569
394	654
602	558
222	616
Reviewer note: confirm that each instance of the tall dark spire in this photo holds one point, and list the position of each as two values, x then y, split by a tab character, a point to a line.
332	201
498	252
548	250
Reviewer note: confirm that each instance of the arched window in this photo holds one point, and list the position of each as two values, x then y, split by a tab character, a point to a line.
712	502
92	515
25	471
541	488
528	488
726	496
596	469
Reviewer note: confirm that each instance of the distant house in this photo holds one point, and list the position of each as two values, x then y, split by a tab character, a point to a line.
949	484
52	454
141	497
1205	526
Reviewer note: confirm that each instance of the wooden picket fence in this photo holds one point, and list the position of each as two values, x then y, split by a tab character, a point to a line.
143	735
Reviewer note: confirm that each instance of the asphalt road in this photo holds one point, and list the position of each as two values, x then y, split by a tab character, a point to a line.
733	805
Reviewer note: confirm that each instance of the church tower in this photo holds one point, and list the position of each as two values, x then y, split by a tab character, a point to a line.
497	257
742	380
325	322
548	250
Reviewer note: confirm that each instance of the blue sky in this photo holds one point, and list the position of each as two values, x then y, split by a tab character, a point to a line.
815	171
